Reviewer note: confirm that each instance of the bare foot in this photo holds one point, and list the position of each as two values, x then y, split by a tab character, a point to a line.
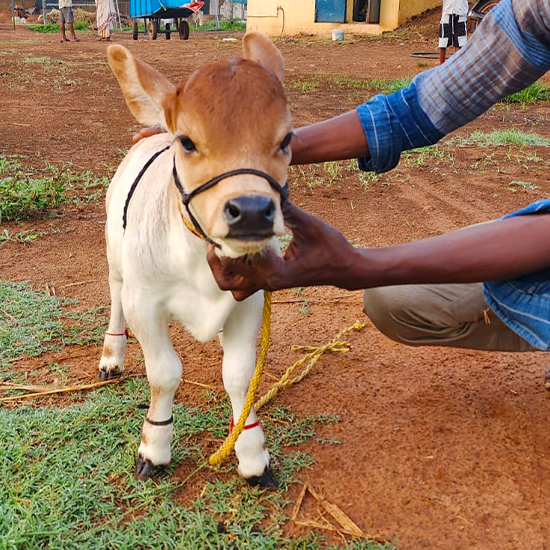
76	39
64	39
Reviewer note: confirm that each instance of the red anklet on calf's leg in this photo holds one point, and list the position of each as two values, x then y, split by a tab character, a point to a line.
249	427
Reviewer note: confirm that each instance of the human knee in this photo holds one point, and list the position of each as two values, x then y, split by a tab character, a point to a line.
382	308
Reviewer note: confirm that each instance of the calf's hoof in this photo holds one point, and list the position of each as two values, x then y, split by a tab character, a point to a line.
266	481
145	469
109	375
547	379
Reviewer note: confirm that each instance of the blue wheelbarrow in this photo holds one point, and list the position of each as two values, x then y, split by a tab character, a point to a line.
154	11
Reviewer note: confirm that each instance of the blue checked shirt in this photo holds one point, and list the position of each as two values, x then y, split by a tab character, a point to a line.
508	52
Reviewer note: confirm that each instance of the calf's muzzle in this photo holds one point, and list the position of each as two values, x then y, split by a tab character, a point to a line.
250	225
250	217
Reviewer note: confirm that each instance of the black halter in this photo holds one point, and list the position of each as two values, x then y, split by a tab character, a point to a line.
135	184
186	197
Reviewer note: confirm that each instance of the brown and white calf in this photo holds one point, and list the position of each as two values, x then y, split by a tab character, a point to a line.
229	116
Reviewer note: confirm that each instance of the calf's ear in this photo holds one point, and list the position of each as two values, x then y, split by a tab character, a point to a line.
149	96
259	48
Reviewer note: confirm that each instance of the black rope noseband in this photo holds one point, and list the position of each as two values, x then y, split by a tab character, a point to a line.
187	197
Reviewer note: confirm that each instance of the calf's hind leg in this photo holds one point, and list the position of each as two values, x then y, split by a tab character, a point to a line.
111	363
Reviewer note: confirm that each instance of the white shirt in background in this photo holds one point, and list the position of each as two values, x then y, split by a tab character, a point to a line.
456	7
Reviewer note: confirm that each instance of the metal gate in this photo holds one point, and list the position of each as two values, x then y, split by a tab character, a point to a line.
330	11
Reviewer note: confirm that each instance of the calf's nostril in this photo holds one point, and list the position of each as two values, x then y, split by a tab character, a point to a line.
232	211
269	212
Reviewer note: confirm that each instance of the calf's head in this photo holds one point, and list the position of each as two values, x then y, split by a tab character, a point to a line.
227	116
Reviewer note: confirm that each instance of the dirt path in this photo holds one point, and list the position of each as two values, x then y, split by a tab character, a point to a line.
439	448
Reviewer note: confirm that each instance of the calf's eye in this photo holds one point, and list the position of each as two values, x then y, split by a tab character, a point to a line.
187	144
286	142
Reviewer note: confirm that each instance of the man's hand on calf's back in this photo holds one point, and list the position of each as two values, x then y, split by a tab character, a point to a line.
147	132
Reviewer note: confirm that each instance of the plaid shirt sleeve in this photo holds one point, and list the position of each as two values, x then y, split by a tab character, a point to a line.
508	52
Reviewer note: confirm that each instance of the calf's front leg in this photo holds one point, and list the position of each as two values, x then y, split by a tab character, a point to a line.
164	374
239	361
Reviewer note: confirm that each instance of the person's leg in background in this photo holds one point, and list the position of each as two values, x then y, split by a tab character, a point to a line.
444	36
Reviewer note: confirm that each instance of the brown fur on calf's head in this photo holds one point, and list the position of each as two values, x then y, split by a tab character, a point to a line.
234	115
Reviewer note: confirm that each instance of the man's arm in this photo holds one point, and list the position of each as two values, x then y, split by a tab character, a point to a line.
319	255
509	51
338	138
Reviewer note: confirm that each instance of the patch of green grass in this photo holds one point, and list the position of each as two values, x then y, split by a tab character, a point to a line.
30	193
141	28
388	86
33	322
377	85
23	197
303	85
500	137
518	184
66	480
54	27
40	60
225	25
532	94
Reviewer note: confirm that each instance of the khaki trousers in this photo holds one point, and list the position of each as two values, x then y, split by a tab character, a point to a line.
453	315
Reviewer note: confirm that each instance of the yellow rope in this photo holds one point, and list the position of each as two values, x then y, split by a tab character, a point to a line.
334	345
